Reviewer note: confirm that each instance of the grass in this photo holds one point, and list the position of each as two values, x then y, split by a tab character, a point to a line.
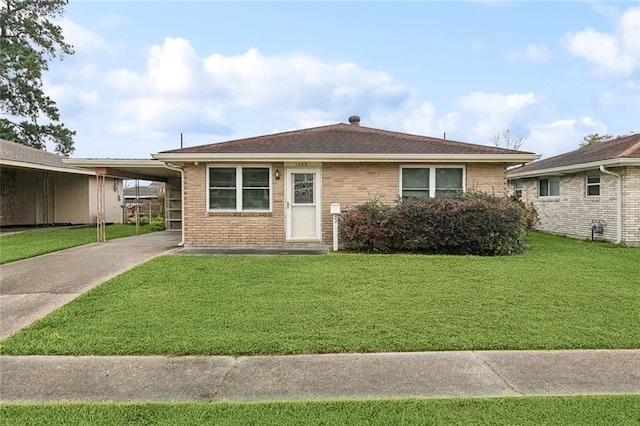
573	410
562	294
34	243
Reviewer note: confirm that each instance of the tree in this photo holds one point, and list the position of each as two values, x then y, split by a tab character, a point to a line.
505	140
594	139
28	39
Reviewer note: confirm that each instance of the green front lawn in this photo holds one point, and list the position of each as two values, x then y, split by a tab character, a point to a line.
574	410
562	294
34	243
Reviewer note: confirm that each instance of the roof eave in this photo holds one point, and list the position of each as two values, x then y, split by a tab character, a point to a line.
574	168
343	158
27	165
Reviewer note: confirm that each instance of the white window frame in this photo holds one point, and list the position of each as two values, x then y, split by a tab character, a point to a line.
432	176
588	185
239	187
548	179
518	185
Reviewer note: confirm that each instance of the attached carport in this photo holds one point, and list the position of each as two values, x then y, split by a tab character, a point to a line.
150	170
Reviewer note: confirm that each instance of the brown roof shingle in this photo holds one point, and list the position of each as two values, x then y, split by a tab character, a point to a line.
621	147
343	139
13	151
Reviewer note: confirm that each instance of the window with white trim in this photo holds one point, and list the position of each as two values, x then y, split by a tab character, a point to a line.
593	185
549	187
233	188
518	186
431	181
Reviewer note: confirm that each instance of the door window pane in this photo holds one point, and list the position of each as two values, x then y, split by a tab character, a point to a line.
303	188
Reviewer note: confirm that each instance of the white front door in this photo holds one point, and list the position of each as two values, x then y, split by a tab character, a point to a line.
303	205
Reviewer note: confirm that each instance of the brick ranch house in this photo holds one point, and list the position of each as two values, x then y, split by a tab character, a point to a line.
277	189
586	189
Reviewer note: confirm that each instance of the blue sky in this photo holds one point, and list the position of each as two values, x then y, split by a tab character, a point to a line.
143	72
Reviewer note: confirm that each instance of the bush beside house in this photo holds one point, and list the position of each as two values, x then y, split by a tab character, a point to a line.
477	224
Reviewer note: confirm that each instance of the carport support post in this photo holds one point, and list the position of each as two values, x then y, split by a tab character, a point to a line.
101	173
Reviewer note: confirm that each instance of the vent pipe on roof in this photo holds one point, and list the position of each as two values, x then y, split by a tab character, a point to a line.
354	120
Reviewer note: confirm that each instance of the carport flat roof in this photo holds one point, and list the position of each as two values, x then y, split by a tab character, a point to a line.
126	168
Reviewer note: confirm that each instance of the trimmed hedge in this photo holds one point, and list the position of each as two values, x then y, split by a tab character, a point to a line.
365	227
477	224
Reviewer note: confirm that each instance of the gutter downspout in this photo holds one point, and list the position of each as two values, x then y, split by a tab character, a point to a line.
618	202
181	170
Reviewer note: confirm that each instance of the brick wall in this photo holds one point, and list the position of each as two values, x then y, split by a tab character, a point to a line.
349	184
487	177
571	213
202	227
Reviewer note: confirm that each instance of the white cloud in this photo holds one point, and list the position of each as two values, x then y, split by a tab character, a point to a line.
82	72
562	136
162	114
615	53
180	87
410	117
492	113
71	99
82	39
625	94
532	53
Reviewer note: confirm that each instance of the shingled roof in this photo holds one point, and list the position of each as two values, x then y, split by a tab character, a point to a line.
618	151
342	139
15	154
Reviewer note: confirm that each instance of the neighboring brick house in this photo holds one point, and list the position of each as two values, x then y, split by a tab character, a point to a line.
585	189
277	189
38	189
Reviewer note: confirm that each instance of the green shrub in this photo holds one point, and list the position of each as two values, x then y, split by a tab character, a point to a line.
364	228
157	224
477	224
531	214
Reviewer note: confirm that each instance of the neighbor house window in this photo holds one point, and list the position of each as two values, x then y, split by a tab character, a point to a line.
593	184
549	187
239	188
431	181
518	185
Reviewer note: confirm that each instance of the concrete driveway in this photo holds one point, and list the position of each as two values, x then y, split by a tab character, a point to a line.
32	288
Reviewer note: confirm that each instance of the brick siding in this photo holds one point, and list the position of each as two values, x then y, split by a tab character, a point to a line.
571	214
349	184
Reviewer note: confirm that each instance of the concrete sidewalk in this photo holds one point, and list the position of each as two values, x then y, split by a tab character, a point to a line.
421	374
32	288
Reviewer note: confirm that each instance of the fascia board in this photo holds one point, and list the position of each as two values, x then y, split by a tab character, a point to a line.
337	158
112	162
25	165
575	168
